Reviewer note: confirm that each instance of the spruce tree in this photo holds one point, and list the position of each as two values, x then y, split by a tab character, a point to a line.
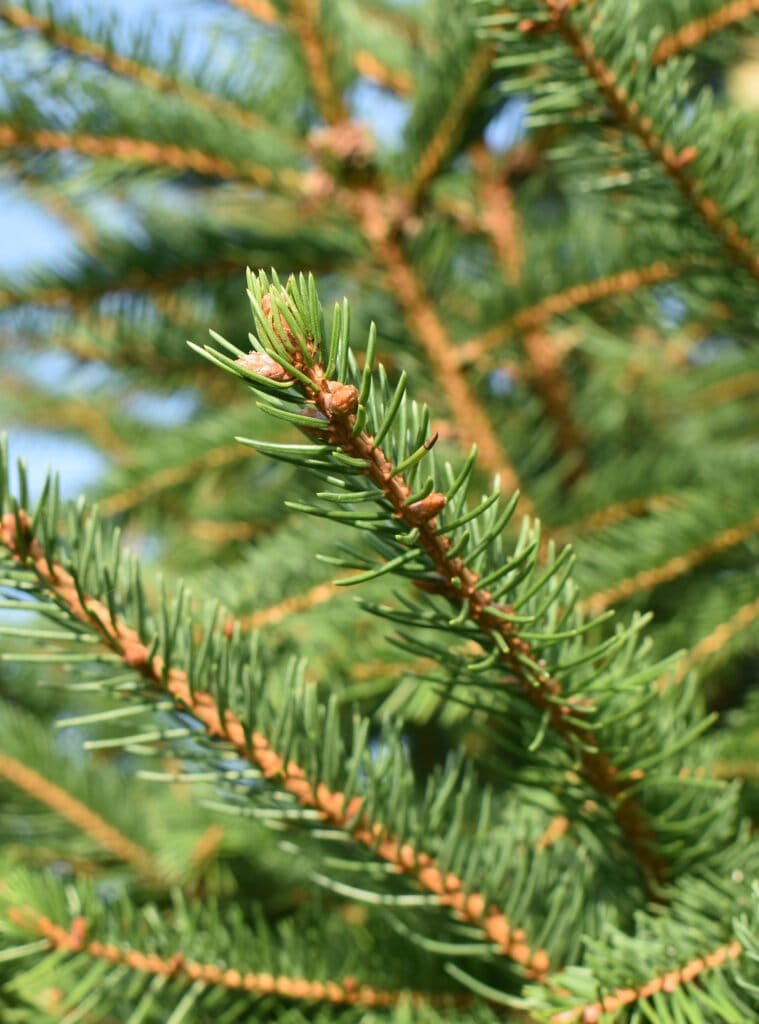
409	678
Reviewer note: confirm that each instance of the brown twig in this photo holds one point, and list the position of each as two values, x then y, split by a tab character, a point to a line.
535	316
81	817
305	22
671	569
451	124
153	154
498	213
144	74
544	357
458	583
618	512
668	983
171	476
347	992
319	594
714	641
333	806
423	320
694	32
628	113
261	10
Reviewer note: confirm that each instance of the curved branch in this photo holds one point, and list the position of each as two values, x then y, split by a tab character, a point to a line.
126	67
348	816
672	568
669	982
694	32
62	803
628	112
346	992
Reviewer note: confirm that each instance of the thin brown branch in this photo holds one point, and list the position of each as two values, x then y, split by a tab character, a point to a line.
672	568
347	992
618	512
319	594
535	316
153	154
629	115
261	10
207	846
304	20
156	81
365	63
499	217
668	983
451	124
722	392
544	357
458	583
714	641
423	320
218	531
747	769
333	806
78	814
394	79
694	32
137	280
170	476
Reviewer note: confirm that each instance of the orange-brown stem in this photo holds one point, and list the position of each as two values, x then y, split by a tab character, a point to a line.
333	806
498	216
532	317
451	124
544	357
628	113
305	23
459	584
617	512
473	425
320	593
694	32
126	67
153	154
81	817
672	568
669	982
713	642
170	476
347	992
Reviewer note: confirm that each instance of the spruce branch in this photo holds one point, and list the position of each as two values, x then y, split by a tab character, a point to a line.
425	323
337	416
716	641
143	152
665	983
499	216
536	316
168	477
629	115
305	20
82	817
673	567
348	815
75	940
144	74
691	34
450	127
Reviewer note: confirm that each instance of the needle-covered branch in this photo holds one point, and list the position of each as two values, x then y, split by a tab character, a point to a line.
372	448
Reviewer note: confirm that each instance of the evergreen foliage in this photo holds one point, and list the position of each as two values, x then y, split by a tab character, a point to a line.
428	693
